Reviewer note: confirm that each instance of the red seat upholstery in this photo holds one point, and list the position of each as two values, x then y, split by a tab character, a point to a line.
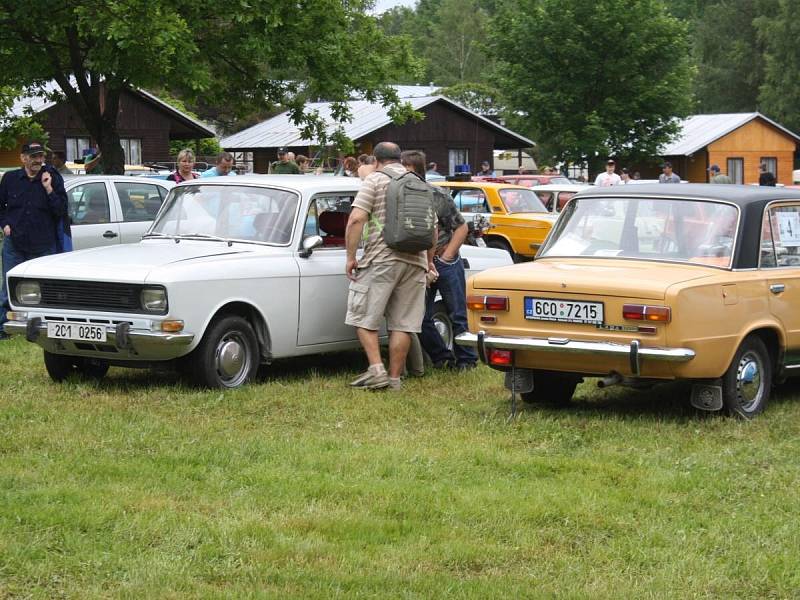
334	225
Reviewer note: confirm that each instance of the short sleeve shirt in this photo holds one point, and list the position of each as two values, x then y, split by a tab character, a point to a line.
673	178
287	168
449	217
371	198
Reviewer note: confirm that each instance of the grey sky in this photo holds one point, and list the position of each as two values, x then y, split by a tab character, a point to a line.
383	5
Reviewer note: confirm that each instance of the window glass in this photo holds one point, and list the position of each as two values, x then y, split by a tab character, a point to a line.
133	150
257	214
648	228
456	157
768	258
521	201
138	201
546	198
772	165
736	170
471	201
785	225
88	204
327	217
75	147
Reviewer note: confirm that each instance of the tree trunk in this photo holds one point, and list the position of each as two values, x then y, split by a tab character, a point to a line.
113	156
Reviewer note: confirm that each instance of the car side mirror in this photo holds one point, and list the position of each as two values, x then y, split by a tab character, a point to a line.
309	243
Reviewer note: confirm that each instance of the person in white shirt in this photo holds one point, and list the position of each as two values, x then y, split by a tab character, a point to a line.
609	177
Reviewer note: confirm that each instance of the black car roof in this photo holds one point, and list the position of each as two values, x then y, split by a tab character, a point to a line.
750	199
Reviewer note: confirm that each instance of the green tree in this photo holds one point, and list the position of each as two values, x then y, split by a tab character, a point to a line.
252	52
585	83
729	56
779	94
455	48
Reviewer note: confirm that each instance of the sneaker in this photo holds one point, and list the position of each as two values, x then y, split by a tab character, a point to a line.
370	381
395	385
359	381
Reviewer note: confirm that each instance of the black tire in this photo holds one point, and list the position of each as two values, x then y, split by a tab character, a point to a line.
92	368
501	244
552	388
747	382
58	366
227	356
441	319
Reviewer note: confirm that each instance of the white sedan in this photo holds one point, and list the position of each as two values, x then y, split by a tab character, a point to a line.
233	273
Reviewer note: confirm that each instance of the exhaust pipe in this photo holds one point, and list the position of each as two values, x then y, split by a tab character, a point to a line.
612	378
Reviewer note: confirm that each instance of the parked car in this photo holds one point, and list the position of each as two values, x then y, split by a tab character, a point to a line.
519	222
526	180
645	284
107	210
555	196
234	272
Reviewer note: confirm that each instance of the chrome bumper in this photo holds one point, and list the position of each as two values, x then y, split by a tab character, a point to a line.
633	351
129	343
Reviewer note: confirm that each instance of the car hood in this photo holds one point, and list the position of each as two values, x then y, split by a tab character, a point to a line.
592	277
126	262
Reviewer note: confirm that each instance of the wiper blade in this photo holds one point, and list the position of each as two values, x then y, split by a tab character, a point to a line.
158	234
206	236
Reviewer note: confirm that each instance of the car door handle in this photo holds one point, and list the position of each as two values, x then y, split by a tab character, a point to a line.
777	288
109	234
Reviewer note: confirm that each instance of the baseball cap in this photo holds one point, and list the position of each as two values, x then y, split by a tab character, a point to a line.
714	168
32	148
283	150
610	161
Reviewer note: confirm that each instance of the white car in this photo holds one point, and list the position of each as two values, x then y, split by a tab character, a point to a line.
233	273
107	210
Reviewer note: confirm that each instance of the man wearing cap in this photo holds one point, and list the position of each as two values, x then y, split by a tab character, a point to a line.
608	178
486	170
716	176
284	166
668	176
33	205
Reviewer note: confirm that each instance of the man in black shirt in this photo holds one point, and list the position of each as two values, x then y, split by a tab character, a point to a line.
766	177
33	206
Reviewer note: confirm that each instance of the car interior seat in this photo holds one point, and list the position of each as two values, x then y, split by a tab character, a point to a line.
96	207
334	225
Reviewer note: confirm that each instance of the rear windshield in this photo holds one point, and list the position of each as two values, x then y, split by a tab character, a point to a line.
647	228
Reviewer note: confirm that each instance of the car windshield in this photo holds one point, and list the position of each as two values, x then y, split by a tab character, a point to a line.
228	212
690	231
521	201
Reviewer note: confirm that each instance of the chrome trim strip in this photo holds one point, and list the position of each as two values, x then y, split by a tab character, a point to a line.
632	351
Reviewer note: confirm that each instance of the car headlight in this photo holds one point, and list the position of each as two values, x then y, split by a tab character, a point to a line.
154	300
29	292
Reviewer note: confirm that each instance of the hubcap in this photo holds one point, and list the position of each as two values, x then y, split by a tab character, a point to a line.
231	359
749	381
443	327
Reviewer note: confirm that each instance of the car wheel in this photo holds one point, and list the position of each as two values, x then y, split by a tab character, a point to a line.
92	368
443	324
227	356
502	245
552	388
746	384
58	366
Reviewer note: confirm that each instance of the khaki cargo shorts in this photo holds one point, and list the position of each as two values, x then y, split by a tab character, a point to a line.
393	289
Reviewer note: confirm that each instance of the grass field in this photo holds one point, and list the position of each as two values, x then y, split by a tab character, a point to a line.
300	487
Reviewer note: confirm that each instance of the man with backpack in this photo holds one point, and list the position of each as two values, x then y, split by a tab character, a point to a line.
394	213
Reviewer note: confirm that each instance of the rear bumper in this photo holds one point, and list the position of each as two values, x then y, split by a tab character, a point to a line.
633	351
122	342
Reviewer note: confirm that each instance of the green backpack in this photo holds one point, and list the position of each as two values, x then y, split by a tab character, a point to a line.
410	213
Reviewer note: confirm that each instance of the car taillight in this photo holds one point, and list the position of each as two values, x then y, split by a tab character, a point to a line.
502	358
643	312
487	303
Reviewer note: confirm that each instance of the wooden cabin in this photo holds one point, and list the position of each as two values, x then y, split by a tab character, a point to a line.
146	127
739	143
449	134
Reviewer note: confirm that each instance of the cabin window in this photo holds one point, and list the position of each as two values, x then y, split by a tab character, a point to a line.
457	156
133	150
75	147
772	165
736	170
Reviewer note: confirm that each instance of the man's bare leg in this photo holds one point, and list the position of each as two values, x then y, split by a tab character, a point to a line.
399	342
369	341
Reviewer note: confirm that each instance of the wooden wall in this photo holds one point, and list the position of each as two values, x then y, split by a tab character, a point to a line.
752	142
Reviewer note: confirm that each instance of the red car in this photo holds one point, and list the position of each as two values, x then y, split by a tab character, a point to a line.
526	180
